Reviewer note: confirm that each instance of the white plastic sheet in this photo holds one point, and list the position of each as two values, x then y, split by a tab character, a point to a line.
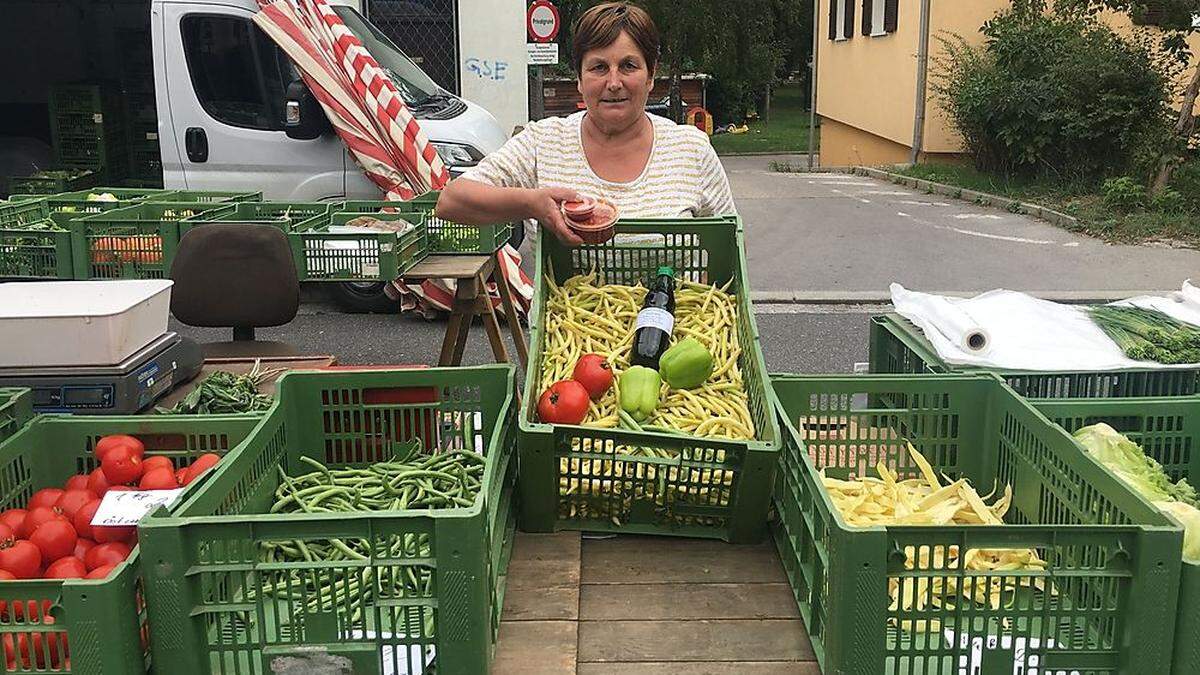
1025	333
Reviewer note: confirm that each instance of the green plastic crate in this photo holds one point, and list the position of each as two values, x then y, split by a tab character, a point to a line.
205	561
37	250
1112	559
77	201
445	237
82	98
323	253
714	488
133	242
16	408
1168	429
898	346
53	181
288	216
104	621
222	196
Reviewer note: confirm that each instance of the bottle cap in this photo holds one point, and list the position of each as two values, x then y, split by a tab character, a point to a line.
665	270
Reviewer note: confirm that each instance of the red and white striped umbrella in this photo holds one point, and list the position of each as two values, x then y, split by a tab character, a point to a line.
372	119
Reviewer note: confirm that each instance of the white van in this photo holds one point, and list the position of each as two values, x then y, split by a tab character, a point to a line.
221	86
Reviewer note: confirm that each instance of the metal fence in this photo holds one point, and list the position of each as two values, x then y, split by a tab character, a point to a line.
427	30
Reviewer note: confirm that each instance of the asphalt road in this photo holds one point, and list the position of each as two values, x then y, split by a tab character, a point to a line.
828	232
800	339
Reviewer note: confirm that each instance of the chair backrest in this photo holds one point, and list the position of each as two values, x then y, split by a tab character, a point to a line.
234	275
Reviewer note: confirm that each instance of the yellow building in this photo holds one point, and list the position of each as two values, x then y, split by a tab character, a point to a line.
870	69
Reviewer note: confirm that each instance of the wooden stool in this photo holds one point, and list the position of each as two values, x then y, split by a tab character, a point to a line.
470	273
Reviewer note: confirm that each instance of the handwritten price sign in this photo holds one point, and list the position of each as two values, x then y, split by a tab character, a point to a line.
128	507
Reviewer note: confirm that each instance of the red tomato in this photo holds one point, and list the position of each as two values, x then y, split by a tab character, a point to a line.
121	465
82	546
23	650
180	474
156	462
203	463
77	482
22	559
565	402
97	482
101	572
83	518
46	497
73	500
5	575
6	533
594	373
69	567
36	518
119	441
158	479
13	518
122	488
55	539
106	554
105	534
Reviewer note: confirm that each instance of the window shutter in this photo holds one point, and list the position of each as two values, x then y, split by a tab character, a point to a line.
868	16
849	18
833	29
891	15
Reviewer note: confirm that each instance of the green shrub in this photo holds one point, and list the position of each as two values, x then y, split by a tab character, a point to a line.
1123	193
1052	94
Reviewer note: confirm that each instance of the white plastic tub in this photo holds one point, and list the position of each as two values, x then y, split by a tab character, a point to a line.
80	323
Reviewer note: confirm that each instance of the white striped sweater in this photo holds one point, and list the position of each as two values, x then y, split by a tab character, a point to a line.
683	178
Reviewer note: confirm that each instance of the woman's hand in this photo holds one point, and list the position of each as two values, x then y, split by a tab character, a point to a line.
545	204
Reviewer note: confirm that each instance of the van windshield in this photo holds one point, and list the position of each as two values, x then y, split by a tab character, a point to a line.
414	85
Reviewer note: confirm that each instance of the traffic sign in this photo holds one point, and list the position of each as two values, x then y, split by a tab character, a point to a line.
542	21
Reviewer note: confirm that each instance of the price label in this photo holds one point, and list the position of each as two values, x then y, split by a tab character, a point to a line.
127	507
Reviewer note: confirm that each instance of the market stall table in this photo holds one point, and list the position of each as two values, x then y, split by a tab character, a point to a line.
472	272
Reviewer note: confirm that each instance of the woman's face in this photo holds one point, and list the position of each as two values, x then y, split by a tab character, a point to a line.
615	84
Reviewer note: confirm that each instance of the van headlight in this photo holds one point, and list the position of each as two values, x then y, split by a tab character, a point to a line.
457	155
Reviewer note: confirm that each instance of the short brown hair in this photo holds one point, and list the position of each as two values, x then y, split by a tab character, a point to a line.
601	25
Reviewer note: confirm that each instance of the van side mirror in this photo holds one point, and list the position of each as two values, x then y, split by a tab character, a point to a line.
304	118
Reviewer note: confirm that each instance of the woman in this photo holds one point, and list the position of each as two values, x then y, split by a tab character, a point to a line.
647	166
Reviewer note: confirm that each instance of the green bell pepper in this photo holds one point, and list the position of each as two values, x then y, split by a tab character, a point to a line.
639	392
686	365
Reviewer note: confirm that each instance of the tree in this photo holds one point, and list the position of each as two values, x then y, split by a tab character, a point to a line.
1178	20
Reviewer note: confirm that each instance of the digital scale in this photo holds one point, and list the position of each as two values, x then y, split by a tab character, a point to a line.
123	389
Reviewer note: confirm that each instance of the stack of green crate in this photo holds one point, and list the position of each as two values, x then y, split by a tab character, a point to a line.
33	245
427	596
445	237
899	346
136	241
52	181
145	157
98	625
16	408
1105	602
599	479
87	129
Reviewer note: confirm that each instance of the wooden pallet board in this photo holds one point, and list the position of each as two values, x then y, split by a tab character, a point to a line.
653	605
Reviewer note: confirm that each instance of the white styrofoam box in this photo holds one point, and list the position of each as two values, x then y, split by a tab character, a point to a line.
80	323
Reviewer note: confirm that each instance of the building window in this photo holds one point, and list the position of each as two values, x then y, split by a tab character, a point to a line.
879	17
841	19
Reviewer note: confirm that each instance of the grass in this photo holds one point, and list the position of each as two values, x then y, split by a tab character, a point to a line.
1082	199
787	132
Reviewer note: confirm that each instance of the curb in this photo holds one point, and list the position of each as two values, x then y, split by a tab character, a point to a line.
979	198
885	298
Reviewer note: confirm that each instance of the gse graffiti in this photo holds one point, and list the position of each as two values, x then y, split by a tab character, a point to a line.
488	70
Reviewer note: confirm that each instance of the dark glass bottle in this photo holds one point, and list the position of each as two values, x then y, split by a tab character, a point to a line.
655	321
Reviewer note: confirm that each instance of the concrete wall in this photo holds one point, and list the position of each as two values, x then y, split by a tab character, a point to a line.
869	82
492	61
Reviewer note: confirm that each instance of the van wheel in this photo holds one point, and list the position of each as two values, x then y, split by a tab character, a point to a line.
363	297
518	234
